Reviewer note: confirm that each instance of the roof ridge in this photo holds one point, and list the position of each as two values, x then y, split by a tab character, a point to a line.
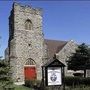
61	48
55	40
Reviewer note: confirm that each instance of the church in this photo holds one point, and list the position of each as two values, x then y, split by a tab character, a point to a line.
27	49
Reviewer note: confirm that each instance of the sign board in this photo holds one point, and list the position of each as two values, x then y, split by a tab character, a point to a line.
54	76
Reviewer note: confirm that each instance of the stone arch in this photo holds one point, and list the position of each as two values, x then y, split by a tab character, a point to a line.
30	61
30	72
28	24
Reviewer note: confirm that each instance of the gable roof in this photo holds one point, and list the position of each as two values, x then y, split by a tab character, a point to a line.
54	46
53	62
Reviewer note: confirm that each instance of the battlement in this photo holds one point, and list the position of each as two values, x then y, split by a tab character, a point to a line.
27	8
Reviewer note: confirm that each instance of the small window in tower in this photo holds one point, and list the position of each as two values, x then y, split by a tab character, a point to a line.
29	44
28	24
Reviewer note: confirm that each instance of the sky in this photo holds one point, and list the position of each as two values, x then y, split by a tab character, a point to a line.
62	20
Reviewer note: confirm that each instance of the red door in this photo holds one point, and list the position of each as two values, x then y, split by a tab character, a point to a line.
30	72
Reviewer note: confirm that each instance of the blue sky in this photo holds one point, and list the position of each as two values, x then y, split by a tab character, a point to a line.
62	20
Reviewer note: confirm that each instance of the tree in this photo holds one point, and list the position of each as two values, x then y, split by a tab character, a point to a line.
79	59
5	78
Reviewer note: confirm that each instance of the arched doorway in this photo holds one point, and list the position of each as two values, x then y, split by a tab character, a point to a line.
30	70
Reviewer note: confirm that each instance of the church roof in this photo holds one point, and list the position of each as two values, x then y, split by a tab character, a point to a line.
54	46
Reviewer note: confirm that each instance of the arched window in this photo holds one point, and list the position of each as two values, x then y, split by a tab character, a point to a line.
30	62
28	24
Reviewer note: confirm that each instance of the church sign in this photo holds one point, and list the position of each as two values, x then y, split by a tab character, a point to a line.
53	73
54	76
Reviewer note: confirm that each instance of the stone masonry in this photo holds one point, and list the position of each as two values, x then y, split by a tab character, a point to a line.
26	43
65	53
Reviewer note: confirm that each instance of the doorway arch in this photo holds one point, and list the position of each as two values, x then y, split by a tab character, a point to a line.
30	69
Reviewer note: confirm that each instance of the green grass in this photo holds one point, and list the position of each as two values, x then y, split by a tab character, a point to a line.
19	87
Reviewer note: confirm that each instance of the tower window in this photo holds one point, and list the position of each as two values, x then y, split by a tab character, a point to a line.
28	24
29	44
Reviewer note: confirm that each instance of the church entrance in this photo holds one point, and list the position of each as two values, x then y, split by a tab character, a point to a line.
30	70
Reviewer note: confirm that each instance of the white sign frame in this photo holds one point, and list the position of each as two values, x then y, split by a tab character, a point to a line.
54	76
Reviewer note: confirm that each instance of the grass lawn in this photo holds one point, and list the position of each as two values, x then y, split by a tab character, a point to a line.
19	87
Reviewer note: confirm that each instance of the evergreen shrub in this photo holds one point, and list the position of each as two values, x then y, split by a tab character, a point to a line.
75	81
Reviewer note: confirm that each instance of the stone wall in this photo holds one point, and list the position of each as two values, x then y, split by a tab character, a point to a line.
25	44
65	53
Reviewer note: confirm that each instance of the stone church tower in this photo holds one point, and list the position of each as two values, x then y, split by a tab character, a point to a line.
26	41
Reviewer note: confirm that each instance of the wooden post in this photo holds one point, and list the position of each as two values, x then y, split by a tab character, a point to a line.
43	81
84	73
63	78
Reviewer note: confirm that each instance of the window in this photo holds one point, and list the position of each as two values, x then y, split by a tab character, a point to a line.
28	24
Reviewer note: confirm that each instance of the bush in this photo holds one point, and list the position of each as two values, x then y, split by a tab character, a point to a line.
70	81
32	83
75	81
78	74
86	81
5	85
9	87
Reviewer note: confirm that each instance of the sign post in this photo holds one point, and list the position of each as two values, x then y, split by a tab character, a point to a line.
53	74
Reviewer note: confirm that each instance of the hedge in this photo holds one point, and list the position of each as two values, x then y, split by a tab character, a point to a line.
74	81
69	81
